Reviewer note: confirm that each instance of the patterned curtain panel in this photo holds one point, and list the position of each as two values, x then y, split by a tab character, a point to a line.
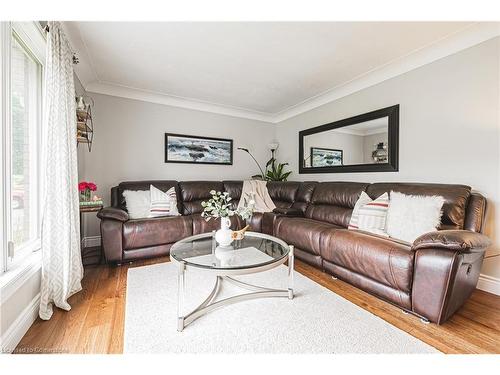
62	268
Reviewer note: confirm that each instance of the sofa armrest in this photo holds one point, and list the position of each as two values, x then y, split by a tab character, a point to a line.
294	212
113	213
447	265
463	241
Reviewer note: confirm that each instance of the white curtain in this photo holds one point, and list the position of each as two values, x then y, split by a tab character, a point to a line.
62	268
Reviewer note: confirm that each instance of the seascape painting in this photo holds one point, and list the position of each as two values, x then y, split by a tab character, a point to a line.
326	157
198	150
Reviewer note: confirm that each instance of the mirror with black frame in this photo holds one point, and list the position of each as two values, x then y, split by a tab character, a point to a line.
363	143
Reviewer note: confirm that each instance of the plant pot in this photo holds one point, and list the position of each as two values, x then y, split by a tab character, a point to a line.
224	235
85	195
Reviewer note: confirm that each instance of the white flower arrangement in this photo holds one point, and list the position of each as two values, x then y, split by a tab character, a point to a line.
220	206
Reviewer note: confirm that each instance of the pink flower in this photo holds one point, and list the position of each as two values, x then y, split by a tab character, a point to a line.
91	186
82	186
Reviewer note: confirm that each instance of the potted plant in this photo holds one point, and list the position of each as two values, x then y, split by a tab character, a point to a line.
86	189
219	206
274	171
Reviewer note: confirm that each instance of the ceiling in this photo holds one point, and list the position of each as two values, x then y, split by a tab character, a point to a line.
255	69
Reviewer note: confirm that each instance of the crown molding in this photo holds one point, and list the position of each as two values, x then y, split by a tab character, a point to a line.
466	38
174	101
451	44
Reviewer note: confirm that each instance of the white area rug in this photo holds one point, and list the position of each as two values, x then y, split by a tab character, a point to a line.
315	321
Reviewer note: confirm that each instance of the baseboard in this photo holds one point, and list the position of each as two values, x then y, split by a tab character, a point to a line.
18	329
91	241
489	284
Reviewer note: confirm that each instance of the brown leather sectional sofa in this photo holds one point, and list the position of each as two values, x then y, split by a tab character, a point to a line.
430	278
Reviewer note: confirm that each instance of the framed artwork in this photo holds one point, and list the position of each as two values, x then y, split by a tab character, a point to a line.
181	148
326	157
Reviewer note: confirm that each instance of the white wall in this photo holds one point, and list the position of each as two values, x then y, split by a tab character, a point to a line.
449	128
129	145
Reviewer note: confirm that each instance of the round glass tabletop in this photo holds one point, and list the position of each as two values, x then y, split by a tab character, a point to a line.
254	250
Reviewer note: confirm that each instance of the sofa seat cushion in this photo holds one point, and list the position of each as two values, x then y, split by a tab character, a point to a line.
384	260
158	231
200	225
303	233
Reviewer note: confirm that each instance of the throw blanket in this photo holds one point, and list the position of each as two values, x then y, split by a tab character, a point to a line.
256	190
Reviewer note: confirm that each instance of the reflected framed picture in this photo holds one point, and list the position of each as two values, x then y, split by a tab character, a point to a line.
326	157
180	148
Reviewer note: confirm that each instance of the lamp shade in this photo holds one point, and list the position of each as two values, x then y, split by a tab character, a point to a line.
273	146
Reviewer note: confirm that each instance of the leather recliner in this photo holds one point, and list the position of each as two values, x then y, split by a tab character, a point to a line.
430	278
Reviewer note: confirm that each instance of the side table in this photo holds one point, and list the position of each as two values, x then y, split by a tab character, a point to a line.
92	255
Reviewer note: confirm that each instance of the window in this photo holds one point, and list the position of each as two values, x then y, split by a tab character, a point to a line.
25	88
21	121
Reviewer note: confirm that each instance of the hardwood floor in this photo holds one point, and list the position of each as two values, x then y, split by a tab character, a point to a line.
95	322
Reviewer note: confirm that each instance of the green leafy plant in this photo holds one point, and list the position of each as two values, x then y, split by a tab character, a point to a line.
275	171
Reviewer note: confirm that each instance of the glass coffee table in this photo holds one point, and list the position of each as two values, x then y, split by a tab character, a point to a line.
256	252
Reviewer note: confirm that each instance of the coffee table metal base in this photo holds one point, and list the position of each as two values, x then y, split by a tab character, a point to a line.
209	304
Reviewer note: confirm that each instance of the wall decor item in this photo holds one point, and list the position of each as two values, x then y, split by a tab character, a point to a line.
84	122
326	157
369	142
181	148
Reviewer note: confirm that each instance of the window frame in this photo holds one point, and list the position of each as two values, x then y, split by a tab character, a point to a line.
31	37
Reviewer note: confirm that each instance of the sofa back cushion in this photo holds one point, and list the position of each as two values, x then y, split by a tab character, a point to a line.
118	200
475	212
332	202
234	189
304	195
455	198
283	193
195	192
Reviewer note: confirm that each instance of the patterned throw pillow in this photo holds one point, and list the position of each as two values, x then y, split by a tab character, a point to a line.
370	215
163	203
363	199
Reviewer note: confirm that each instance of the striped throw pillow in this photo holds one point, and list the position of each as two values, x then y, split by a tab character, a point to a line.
362	200
371	214
163	203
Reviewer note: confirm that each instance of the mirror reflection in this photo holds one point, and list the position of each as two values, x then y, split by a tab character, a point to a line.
362	143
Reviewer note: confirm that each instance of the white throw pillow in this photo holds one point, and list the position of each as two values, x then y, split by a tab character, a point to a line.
138	203
370	215
163	203
410	216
